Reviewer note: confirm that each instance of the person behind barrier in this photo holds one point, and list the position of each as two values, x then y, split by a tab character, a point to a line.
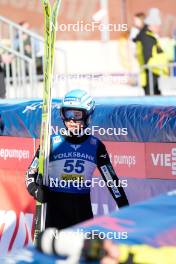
74	155
138	24
150	53
27	45
5	59
77	249
2	81
135	254
1	126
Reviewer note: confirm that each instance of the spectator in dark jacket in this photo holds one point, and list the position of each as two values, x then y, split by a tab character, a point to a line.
1	126
150	53
2	81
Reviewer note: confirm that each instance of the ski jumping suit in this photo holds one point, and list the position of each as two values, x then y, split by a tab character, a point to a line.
72	158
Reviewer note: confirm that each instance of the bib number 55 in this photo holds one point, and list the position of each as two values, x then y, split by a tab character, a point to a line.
72	165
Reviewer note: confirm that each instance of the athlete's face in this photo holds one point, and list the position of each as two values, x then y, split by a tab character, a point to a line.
74	126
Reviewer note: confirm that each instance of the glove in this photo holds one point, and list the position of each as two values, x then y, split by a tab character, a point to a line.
71	244
35	187
39	192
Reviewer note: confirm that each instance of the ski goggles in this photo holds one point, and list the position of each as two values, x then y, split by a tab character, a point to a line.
73	114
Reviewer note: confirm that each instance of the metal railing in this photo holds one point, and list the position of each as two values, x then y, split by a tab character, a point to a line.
14	76
171	72
26	67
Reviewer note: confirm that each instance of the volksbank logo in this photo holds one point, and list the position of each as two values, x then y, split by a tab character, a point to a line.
165	160
75	147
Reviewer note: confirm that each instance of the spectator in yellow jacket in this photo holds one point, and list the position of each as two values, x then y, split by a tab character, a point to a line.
150	53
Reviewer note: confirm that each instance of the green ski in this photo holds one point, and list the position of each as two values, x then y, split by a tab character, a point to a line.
50	15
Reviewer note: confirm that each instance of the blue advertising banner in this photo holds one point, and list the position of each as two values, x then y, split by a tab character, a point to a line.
135	120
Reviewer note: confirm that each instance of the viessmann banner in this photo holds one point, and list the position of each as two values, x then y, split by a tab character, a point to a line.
143	160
